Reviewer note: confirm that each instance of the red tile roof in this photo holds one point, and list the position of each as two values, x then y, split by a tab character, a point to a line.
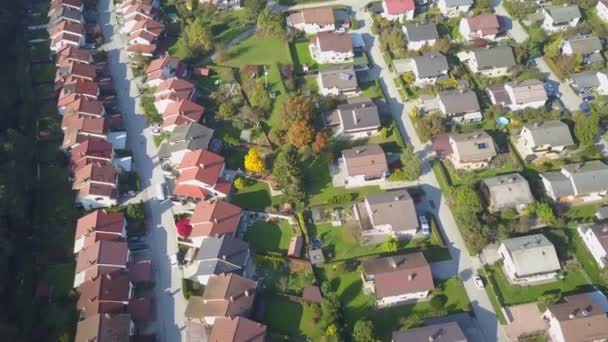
90	151
145	35
75	54
66	26
161	63
190	191
488	24
100	221
182	112
149	25
144	49
400	274
104	328
84	106
84	123
101	258
237	329
142	309
105	294
96	172
96	189
215	218
228	295
80	87
398	7
140	271
76	69
174	88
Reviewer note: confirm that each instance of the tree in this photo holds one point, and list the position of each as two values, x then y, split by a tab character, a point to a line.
545	212
466	200
254	161
253	8
586	128
411	163
429	126
442	45
552	49
239	183
508	214
408	77
299	134
259	97
320	143
482	6
438	301
331	330
287	172
271	23
396	42
297	108
363	331
198	38
226	110
391	245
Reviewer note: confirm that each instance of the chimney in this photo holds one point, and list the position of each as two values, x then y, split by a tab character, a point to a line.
109	276
571	316
411	276
392	262
247	294
231	298
397	198
224	257
215	220
357	151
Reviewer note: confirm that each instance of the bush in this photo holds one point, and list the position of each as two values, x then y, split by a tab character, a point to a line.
239	183
343	198
438	301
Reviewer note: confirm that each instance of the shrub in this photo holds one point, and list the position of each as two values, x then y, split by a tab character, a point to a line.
343	198
438	301
239	183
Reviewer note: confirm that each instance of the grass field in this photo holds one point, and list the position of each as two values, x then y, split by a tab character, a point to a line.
287	317
255	196
301	55
271	236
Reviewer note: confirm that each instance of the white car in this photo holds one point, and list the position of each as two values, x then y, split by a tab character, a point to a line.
478	282
424	225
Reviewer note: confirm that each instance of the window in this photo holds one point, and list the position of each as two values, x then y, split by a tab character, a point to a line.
482	146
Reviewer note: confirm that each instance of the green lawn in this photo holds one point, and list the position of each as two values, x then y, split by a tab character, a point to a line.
513	294
372	89
271	236
301	55
585	258
492	296
286	317
60	278
255	196
278	278
310	82
227	132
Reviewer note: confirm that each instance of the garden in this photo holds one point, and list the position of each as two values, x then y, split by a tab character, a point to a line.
301	322
270	237
254	195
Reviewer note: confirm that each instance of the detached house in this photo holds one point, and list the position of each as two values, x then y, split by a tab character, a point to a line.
96	186
225	296
342	81
108	294
470	150
398	278
588	47
484	26
590	80
390	214
559	18
528	259
237	329
80	88
215	218
217	256
136	13
331	48
398	9
454	8
538	139
99	225
510	191
595	237
363	165
313	20
519	95
440	332
66	14
182	112
491	61
359	118
105	328
460	106
577	183
170	91
162	69
100	258
420	35
578	318
145	32
85	107
182	139
66	33
601	9
429	67
201	176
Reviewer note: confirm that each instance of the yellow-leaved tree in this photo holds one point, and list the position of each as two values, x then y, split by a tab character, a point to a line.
254	161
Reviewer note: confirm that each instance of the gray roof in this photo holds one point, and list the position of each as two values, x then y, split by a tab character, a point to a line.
454	3
221	255
532	254
67	13
560	184
602	212
191	136
552	133
585	45
431	64
563	14
510	191
442	332
587	177
585	79
359	115
342	78
395	207
494	57
473	146
459	101
420	32
393	263
500	94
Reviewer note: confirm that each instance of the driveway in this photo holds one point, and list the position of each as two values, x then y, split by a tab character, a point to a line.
526	319
570	100
170	303
513	27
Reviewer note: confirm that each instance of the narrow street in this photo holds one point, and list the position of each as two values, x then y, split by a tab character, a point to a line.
567	96
161	232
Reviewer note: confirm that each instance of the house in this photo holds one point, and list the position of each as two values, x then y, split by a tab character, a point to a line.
472	150
398	9
96	186
541	138
143	49
595	237
124	5
99	225
74	54
135	13
601	9
66	33
398	278
105	294
510	191
226	295
516	254
460	106
342	81
217	256
577	183
78	128
105	328
578	318
66	14
420	35
331	48
559	18
519	95
145	32
90	151
58	5
182	112
390	214
184	138
359	118
313	20
237	329
429	67
172	90
88	89
201	176
602	213
589	47
363	165
84	106
162	69
490	61
73	71
215	218
440	332
483	26
100	258
295	247
454	8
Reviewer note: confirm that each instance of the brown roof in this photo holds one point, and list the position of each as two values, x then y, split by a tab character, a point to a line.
140	271
441	332
84	123
104	294
97	189
73	53
104	328
161	63
215	218
102	173
100	221
399	274
225	296
181	112
89	152
177	89
67	26
317	15
237	329
312	294
332	41
367	160
473	146
580	318
142	309
486	23
84	106
95	257
149	25
144	49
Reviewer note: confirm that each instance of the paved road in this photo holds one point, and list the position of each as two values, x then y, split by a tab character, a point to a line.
159	216
570	100
514	28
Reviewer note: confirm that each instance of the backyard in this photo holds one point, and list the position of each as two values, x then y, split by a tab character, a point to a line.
300	320
254	196
270	236
301	55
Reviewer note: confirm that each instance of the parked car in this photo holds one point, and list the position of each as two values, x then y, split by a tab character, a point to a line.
589	98
584	107
424	225
478	282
